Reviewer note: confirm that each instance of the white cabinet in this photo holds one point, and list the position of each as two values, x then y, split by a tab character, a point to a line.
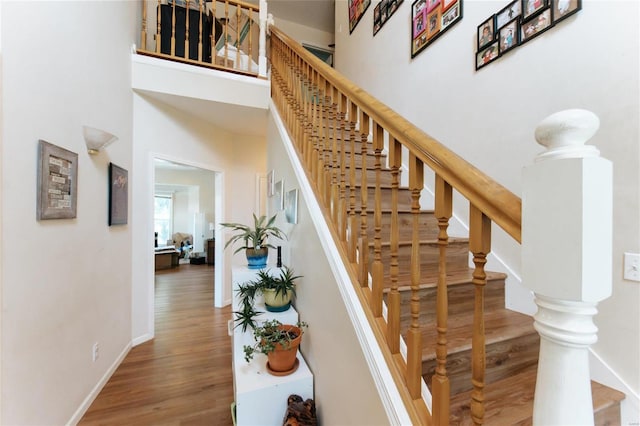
261	398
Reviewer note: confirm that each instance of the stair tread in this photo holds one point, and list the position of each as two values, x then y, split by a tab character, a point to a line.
500	325
510	400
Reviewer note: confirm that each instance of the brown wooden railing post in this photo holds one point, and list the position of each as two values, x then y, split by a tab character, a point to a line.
480	246
440	385
200	4
414	336
186	29
343	172
364	239
158	22
377	270
143	33
393	299
173	29
353	221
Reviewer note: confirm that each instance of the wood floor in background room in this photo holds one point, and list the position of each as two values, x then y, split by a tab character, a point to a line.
183	376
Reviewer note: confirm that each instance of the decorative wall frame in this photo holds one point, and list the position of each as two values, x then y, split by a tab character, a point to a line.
277	201
291	206
383	11
57	182
430	19
489	54
270	182
118	195
519	22
357	8
486	32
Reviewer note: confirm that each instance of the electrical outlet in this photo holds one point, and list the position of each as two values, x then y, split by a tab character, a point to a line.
96	351
632	266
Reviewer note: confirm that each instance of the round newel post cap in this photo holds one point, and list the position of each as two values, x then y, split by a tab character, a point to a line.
565	133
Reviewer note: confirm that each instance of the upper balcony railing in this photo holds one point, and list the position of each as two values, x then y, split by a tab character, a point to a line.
227	35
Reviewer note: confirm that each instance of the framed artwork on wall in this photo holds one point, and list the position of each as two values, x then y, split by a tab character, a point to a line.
57	182
277	201
430	19
486	32
536	26
118	195
357	8
509	36
270	182
291	206
562	9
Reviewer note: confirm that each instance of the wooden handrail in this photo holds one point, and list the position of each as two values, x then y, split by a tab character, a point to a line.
494	200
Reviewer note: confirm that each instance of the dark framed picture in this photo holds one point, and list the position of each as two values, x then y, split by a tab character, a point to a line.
536	26
383	11
432	4
434	22
531	7
451	15
118	195
57	182
357	8
564	8
392	6
376	19
485	32
509	35
508	13
428	24
487	55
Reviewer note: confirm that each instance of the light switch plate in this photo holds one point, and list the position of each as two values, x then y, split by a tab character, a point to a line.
632	266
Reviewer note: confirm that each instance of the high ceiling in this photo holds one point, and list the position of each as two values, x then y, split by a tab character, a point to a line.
318	14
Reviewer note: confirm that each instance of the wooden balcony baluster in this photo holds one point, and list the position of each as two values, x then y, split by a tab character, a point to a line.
186	30
364	239
158	22
143	32
353	221
173	29
343	172
393	299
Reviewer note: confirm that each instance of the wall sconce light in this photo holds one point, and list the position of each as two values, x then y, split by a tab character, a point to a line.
97	139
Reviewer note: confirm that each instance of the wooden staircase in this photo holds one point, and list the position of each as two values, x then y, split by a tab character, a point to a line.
478	359
512	344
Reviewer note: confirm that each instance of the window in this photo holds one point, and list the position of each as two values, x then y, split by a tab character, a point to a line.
163	217
323	54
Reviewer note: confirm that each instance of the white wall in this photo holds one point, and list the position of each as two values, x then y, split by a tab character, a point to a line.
488	117
303	34
157	128
345	393
65	283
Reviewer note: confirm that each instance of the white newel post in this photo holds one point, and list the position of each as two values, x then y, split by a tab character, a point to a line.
566	260
262	48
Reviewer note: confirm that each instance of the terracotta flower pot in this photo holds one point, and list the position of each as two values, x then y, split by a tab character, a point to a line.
282	361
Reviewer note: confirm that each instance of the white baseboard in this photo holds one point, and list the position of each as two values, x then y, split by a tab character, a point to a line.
602	373
77	416
141	339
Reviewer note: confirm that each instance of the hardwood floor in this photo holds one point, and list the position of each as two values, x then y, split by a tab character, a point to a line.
183	376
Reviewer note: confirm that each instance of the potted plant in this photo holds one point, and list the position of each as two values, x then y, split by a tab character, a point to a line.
279	342
277	290
254	239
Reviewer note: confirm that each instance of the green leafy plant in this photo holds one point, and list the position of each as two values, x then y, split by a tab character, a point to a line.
254	237
269	335
282	284
246	317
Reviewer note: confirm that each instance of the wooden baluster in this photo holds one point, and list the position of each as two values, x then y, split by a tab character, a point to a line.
200	31
353	221
226	34
143	33
364	240
440	386
393	299
377	270
414	336
186	31
238	63
314	124
158	29
328	143
316	158
250	52
480	246
173	29
335	175
214	51
343	172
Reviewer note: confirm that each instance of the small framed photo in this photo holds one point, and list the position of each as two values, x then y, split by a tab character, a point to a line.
536	26
291	206
432	4
57	182
383	12
508	13
277	201
509	35
487	55
270	181
434	22
451	15
420	23
376	19
392	5
531	7
118	195
446	4
418	6
485	32
564	8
